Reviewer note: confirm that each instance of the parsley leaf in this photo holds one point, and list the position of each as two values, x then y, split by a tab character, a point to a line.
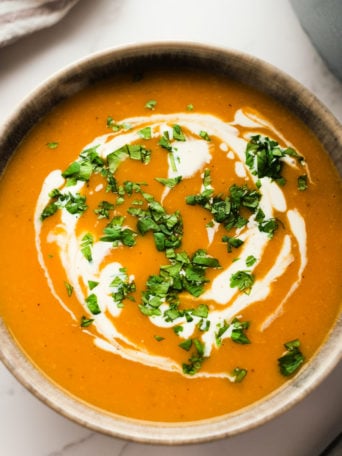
116	233
232	242
169	182
86	244
133	151
178	133
226	210
82	169
52	145
92	284
243	280
302	183
238	333
204	135
239	374
85	322
195	361
250	260
74	204
104	209
145	133
291	361
92	304
264	157
151	104
123	288
222	328
186	345
167	228
69	288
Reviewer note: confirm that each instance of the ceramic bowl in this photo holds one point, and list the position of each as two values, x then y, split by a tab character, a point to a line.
246	69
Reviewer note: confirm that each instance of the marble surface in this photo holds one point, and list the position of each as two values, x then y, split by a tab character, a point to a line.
267	29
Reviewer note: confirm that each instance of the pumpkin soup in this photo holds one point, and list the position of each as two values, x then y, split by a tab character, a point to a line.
170	245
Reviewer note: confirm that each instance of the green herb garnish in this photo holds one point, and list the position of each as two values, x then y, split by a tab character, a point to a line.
239	374
85	322
123	288
86	244
250	261
92	284
52	145
264	157
178	133
204	135
69	288
145	133
238	333
302	183
169	182
232	242
116	233
103	209
151	104
292	360
243	280
92	304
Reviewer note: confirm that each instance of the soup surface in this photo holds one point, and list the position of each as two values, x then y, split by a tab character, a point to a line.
170	245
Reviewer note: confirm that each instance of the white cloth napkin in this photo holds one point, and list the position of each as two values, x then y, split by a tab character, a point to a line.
21	17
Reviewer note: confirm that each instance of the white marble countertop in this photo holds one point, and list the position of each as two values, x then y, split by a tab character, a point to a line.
267	29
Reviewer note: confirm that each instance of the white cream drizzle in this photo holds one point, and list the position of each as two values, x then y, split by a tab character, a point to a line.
190	157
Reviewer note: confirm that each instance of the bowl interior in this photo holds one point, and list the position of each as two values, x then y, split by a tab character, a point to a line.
135	59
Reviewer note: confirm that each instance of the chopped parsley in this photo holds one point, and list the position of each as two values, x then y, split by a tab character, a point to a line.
239	374
123	288
238	332
178	133
92	284
69	288
167	228
292	359
151	104
204	135
85	322
92	304
250	261
186	345
133	151
82	169
183	273
190	107
52	145
243	280
145	133
226	210
73	203
86	244
159	338
115	126
264	158
169	182
232	242
302	182
116	233
103	209
268	226
222	328
194	363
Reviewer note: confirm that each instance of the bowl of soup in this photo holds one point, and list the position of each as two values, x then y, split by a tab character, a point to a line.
170	242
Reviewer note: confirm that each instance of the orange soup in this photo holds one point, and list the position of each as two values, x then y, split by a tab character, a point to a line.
170	245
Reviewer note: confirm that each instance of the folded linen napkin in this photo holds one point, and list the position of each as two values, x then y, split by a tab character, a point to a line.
21	17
